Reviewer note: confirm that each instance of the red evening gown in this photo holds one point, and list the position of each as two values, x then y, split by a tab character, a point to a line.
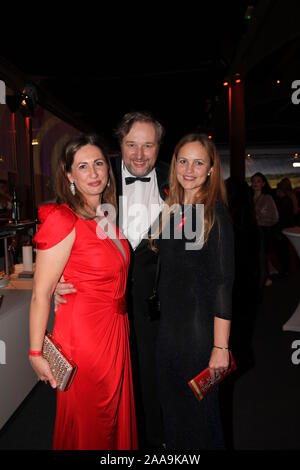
98	411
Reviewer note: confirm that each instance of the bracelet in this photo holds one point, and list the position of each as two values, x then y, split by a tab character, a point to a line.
34	353
219	347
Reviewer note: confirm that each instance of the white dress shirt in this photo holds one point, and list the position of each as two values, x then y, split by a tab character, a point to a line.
141	205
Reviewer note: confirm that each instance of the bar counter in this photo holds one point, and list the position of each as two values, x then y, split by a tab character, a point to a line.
17	378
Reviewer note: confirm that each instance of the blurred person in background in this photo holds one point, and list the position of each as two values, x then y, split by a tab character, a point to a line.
266	214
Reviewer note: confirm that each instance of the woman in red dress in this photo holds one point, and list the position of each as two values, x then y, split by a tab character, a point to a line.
98	411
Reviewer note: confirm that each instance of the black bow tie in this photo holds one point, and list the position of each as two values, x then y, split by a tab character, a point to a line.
132	179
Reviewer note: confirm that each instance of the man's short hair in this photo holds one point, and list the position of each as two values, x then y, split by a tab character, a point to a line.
129	119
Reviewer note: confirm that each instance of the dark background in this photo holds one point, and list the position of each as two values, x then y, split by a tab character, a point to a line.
171	60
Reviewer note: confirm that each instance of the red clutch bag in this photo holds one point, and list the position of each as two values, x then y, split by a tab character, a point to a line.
203	383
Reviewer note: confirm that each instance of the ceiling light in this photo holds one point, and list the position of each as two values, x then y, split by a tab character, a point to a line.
237	78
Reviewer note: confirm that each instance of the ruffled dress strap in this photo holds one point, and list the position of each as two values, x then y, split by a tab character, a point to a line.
56	222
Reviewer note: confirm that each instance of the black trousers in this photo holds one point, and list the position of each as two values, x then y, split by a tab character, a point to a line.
143	335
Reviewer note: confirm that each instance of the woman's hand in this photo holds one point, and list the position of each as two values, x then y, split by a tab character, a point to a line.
219	361
42	370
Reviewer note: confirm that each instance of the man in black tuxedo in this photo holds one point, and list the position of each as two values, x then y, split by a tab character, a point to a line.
140	193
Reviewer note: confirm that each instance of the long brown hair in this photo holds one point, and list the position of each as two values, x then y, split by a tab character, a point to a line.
211	192
78	202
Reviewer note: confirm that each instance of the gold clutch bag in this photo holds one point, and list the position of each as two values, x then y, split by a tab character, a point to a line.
62	367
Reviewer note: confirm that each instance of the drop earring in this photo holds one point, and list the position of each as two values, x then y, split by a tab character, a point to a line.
72	188
108	183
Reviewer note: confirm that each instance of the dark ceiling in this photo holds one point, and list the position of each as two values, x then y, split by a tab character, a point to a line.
173	65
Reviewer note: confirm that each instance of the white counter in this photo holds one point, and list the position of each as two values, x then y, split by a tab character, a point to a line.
16	375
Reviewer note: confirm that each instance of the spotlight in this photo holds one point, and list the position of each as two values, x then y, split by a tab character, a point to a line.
237	78
28	99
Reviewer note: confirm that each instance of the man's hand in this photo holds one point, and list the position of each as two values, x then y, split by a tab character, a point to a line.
62	288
